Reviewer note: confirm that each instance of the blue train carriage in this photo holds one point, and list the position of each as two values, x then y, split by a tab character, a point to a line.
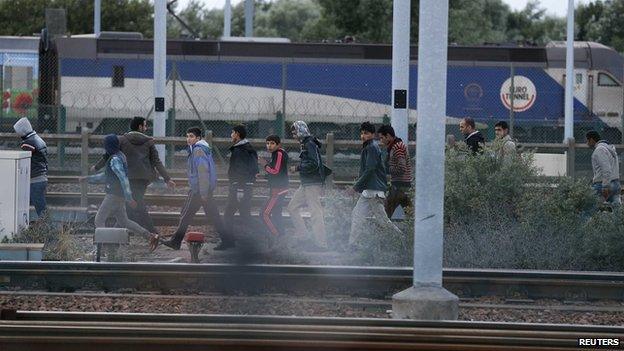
332	86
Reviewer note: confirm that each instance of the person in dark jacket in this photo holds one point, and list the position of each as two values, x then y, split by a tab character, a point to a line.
38	163
312	175
202	178
369	213
118	192
473	138
242	174
144	166
277	176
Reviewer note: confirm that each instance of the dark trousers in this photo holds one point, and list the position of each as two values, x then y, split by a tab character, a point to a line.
239	199
272	211
191	206
140	214
37	197
397	196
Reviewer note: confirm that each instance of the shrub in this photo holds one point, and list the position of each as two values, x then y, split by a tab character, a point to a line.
58	240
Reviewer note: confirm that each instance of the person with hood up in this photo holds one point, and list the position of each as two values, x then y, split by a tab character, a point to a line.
202	178
38	163
143	168
312	174
118	192
241	174
606	181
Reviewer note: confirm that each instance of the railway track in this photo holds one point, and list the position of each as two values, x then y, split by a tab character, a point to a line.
51	331
364	282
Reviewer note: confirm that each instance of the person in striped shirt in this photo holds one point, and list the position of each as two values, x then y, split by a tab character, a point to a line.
399	166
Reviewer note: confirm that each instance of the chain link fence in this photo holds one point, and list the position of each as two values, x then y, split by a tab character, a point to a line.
268	95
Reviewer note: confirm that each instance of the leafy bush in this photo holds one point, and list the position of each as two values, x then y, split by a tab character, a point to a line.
501	214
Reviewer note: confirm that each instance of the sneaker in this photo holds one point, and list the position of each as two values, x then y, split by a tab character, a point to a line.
224	245
172	244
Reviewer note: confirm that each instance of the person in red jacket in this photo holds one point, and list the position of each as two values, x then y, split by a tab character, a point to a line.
277	176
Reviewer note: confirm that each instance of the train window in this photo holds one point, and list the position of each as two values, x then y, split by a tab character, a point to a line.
118	77
579	78
604	80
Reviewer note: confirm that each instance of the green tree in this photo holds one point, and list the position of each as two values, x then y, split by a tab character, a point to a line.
531	25
25	17
608	29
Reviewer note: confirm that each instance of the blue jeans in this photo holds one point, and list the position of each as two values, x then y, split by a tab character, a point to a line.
614	191
37	197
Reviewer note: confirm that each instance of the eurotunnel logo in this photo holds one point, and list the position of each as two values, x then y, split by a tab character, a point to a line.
473	92
524	94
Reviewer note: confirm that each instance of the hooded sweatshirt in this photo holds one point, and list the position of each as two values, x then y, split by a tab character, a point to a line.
142	157
115	174
243	163
202	171
311	170
605	163
39	151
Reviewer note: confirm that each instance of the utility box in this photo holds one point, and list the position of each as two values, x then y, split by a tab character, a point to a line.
14	192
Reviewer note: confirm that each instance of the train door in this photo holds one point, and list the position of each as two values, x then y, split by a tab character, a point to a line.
608	98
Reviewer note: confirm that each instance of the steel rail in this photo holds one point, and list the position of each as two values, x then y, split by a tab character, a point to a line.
99	331
369	282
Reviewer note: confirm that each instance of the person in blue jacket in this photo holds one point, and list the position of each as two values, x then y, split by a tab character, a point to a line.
118	192
202	175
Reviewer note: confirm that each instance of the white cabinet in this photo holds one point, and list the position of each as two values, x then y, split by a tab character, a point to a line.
14	191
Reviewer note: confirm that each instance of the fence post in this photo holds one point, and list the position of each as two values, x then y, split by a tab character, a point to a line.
84	166
329	157
170	131
571	158
61	128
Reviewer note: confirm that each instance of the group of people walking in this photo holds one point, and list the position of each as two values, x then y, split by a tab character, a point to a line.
131	163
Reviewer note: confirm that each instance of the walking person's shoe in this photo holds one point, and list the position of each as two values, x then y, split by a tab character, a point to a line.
154	241
172	244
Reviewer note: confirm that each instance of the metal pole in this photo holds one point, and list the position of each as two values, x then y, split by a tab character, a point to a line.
97	10
400	67
569	87
511	99
284	86
430	138
227	19
427	299
249	18
160	71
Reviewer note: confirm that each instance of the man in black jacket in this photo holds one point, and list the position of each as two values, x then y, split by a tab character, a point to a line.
369	214
38	163
312	175
241	174
473	138
143	168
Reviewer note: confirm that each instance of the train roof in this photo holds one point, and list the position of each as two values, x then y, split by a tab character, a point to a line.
589	55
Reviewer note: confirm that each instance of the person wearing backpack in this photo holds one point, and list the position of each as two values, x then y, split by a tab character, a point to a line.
369	214
312	173
241	174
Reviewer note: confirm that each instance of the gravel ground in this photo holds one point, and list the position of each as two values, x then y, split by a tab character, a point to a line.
244	305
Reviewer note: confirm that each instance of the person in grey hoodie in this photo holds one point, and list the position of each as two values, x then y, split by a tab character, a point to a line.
38	163
606	181
144	166
504	145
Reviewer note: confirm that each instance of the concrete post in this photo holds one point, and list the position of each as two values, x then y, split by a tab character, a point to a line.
160	71
249	18
227	19
97	11
400	67
569	87
427	299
